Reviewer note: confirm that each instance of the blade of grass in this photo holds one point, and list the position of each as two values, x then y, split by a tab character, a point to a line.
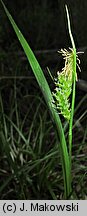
21	135
6	182
4	122
48	98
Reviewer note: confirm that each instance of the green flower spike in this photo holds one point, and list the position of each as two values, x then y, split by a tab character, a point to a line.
63	84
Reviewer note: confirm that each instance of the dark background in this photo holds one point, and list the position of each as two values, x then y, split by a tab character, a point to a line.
44	25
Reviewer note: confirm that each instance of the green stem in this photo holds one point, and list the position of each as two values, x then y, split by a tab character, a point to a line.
72	112
73	91
73	102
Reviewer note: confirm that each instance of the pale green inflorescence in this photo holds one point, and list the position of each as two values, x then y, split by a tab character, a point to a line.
63	84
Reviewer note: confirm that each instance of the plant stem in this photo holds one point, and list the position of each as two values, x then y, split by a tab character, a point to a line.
73	102
73	90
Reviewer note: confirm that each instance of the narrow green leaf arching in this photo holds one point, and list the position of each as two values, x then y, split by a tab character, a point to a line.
37	70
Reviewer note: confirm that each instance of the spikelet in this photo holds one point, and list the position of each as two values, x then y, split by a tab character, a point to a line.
63	84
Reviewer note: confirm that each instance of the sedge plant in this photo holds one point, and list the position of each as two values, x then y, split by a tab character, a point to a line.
57	101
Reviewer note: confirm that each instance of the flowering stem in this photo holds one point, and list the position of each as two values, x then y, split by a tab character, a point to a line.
73	90
73	102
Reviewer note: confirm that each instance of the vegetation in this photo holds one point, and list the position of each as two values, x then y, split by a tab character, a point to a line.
30	147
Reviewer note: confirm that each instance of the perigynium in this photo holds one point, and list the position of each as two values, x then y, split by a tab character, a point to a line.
63	83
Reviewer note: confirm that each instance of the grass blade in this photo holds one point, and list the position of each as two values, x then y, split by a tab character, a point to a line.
48	98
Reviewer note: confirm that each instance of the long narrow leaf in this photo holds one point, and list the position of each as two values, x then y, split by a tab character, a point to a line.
48	98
